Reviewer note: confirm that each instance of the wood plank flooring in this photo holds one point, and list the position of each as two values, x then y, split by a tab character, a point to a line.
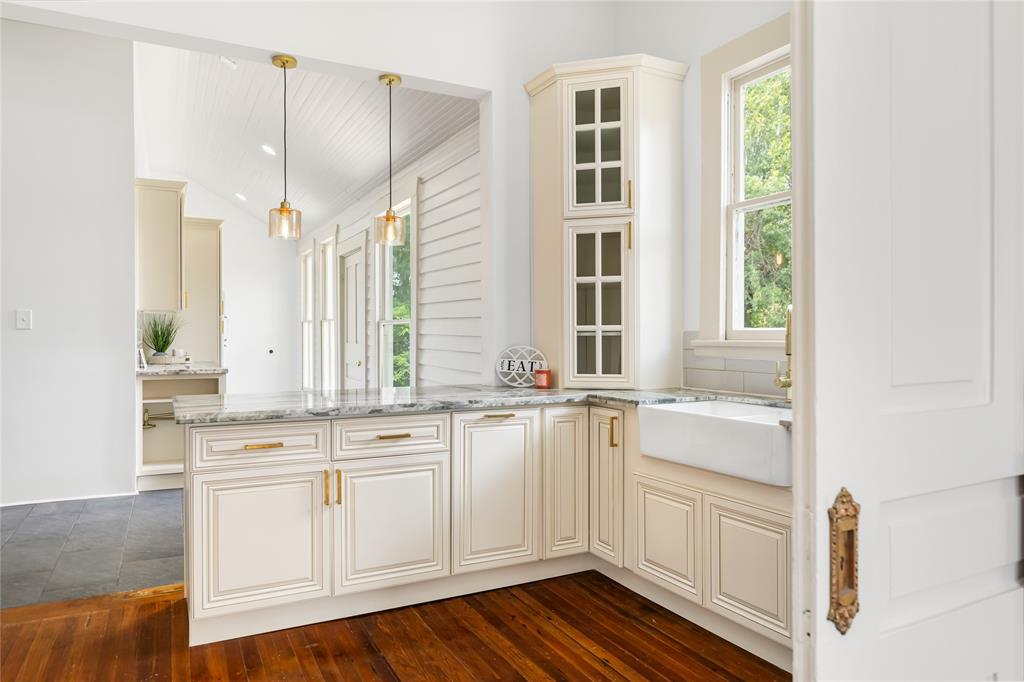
578	627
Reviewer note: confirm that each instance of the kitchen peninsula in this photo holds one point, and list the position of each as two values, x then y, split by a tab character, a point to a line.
309	506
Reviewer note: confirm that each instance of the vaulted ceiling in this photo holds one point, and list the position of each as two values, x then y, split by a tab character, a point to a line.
205	118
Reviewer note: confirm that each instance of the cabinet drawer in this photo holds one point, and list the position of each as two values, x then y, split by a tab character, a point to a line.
401	435
225	446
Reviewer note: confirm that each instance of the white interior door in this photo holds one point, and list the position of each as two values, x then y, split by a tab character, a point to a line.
352	268
918	341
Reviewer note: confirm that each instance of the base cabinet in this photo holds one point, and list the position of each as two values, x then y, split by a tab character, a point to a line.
748	565
496	488
391	521
566	483
262	538
606	467
668	531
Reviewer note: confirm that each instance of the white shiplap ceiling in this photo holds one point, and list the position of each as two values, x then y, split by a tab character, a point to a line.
201	119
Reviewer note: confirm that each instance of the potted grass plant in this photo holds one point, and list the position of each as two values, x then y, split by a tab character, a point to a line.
158	332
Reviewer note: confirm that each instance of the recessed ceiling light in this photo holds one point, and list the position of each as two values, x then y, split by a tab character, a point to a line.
230	63
268	149
240	196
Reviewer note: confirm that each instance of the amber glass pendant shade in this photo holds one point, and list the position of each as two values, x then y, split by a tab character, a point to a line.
390	229
285	222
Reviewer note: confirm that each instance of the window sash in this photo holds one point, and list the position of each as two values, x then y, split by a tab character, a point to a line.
385	310
736	204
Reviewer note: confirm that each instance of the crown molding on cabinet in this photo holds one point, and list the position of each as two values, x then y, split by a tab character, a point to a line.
643	62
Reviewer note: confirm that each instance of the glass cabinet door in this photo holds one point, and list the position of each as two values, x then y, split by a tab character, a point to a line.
597	290
597	169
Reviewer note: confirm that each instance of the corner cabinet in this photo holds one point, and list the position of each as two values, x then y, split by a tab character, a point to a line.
607	172
566	467
606	467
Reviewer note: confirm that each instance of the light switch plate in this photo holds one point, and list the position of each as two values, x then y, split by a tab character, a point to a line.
22	319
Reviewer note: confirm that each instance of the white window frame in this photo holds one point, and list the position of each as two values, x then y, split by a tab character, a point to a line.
720	69
736	206
327	279
383	307
307	323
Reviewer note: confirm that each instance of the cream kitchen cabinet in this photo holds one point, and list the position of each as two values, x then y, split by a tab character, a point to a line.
496	488
599	334
606	168
747	565
566	485
598	153
606	494
391	521
668	535
158	258
201	313
259	538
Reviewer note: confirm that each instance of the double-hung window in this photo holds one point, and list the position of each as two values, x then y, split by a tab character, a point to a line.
308	294
746	195
759	213
396	308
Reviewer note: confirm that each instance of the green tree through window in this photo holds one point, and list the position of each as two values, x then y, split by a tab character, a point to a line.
766	230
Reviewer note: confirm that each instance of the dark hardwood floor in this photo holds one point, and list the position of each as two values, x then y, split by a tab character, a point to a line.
578	627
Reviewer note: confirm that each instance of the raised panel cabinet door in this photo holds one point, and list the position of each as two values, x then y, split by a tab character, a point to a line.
566	484
606	484
668	535
391	521
496	488
158	257
748	565
261	538
598	151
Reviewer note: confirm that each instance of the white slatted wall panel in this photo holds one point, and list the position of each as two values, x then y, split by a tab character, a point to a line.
450	305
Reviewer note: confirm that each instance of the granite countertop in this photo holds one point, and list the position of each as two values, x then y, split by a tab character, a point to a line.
215	409
185	369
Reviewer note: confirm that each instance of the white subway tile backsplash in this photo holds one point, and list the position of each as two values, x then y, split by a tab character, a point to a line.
693	361
760	366
762	384
714	380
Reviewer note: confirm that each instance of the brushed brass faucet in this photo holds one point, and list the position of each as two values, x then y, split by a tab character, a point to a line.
786	380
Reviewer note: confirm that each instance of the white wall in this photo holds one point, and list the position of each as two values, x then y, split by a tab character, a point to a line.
68	254
494	47
260	281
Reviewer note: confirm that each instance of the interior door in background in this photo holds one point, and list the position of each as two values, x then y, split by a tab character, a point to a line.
918	322
352	277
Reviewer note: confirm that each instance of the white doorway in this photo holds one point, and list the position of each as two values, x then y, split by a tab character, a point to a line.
352	268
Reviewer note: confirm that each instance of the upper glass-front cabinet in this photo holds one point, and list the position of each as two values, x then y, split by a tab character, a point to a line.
598	155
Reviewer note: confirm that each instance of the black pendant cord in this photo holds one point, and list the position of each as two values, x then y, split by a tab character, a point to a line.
391	200
284	101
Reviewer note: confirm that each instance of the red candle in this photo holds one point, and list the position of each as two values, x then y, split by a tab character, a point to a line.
542	378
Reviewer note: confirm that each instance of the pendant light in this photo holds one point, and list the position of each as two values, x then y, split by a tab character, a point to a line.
285	221
390	227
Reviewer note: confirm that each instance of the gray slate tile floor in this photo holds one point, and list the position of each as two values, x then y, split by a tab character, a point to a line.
82	548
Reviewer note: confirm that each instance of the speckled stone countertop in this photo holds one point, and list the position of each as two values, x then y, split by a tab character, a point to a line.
216	409
190	369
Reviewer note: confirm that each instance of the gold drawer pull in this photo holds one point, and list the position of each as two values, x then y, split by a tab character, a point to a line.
263	446
393	436
338	491
504	415
327	488
613	439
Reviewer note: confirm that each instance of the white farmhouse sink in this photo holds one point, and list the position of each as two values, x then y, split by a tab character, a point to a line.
737	439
